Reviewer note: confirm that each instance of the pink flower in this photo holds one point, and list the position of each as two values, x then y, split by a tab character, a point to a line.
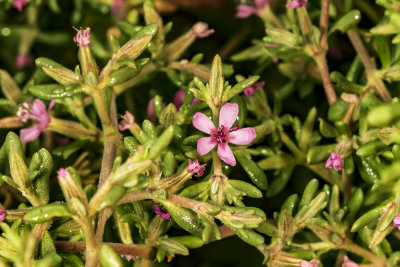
3	214
296	3
82	37
334	162
36	111
195	167
127	121
179	98
201	30
311	263
348	263
63	173
24	60
245	11
249	91
116	5
224	135
19	4
396	221
162	212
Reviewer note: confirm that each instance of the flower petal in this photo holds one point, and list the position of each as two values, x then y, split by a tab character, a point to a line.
51	105
38	107
225	153
242	136
203	123
261	3
228	115
205	144
30	134
244	11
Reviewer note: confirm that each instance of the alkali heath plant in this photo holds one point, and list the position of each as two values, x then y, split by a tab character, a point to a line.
131	149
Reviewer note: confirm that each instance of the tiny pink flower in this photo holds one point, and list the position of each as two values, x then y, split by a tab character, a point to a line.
348	263
24	60
60	140
127	121
63	173
82	37
396	221
3	215
245	11
334	162
162	212
311	263
179	98
195	167
19	4
296	3
249	91
224	134
201	30
116	6
36	111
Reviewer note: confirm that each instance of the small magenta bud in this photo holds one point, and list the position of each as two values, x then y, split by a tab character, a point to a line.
63	173
334	162
24	60
296	3
195	167
311	263
3	214
127	121
82	37
396	221
249	91
348	263
19	4
162	212
201	30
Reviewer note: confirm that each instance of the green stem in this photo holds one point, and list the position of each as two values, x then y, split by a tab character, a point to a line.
353	248
123	249
370	69
292	147
92	249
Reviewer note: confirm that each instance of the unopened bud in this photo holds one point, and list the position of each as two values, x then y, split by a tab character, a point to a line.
73	193
201	30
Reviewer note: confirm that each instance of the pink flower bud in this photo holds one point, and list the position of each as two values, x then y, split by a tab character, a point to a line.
63	173
296	3
19	4
348	263
201	30
249	91
116	6
82	37
3	215
396	221
24	60
127	121
334	162
162	212
311	263
195	167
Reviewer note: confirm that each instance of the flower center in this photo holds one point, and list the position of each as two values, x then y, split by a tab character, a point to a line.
222	133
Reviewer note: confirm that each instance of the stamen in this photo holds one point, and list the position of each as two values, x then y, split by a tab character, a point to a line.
235	128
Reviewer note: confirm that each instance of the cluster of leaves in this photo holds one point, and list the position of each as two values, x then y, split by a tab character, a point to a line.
100	208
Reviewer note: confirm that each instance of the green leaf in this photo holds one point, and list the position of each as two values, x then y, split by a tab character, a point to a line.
54	91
